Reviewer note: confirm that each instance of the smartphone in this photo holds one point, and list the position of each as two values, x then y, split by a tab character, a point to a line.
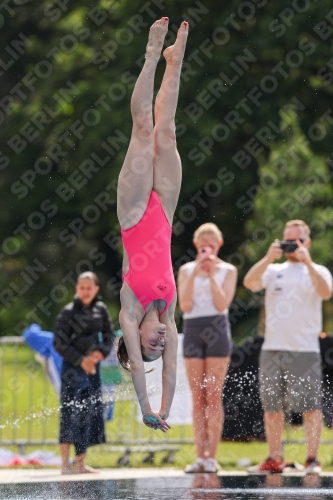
204	252
288	246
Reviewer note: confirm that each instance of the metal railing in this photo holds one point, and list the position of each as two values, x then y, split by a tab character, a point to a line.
19	371
29	409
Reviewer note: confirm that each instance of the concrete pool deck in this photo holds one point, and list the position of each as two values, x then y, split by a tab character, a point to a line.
17	476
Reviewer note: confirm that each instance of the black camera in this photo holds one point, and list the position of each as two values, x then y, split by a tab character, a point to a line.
288	246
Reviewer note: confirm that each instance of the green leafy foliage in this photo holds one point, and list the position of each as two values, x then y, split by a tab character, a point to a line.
66	127
294	184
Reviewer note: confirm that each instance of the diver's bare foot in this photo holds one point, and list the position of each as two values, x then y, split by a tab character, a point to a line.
175	53
156	38
85	469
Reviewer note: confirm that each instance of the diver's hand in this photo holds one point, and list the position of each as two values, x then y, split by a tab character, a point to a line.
154	421
163	414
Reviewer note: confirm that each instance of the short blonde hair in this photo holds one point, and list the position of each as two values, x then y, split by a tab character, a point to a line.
298	222
208	228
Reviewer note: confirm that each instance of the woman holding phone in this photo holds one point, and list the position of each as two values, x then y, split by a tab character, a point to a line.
206	288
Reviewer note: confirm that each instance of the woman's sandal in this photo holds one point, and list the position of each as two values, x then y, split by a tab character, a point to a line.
211	465
197	466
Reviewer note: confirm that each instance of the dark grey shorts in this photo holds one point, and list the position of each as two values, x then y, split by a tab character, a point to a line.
207	337
290	380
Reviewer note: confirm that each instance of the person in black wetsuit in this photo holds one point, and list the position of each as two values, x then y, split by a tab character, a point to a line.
84	336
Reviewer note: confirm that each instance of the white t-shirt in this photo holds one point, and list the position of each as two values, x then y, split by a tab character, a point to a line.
293	307
203	303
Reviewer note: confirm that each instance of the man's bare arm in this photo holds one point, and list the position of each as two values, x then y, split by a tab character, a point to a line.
322	285
252	279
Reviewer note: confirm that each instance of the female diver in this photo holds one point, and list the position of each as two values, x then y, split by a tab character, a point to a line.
148	190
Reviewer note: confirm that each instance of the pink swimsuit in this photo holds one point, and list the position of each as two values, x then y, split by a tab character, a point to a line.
150	274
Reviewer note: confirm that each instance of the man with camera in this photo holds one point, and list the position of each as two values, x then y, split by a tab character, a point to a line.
290	364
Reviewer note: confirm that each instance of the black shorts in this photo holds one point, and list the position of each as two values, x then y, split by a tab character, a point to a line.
207	337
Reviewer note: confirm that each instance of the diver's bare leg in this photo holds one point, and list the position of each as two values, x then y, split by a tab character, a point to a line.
167	164
136	177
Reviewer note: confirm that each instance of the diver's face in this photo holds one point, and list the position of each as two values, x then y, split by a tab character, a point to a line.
153	338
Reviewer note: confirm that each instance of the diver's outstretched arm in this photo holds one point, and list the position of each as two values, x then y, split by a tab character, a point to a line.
129	328
169	373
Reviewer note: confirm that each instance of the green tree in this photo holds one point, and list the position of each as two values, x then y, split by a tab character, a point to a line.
294	183
68	71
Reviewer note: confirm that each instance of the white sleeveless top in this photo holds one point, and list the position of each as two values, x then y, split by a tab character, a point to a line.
203	303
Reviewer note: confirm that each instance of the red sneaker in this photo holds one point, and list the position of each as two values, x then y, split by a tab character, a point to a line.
312	466
266	467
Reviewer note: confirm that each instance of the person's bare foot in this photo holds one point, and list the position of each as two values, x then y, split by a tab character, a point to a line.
67	470
156	38
85	469
175	53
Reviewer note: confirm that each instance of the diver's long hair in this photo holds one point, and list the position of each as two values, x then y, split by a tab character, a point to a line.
123	357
